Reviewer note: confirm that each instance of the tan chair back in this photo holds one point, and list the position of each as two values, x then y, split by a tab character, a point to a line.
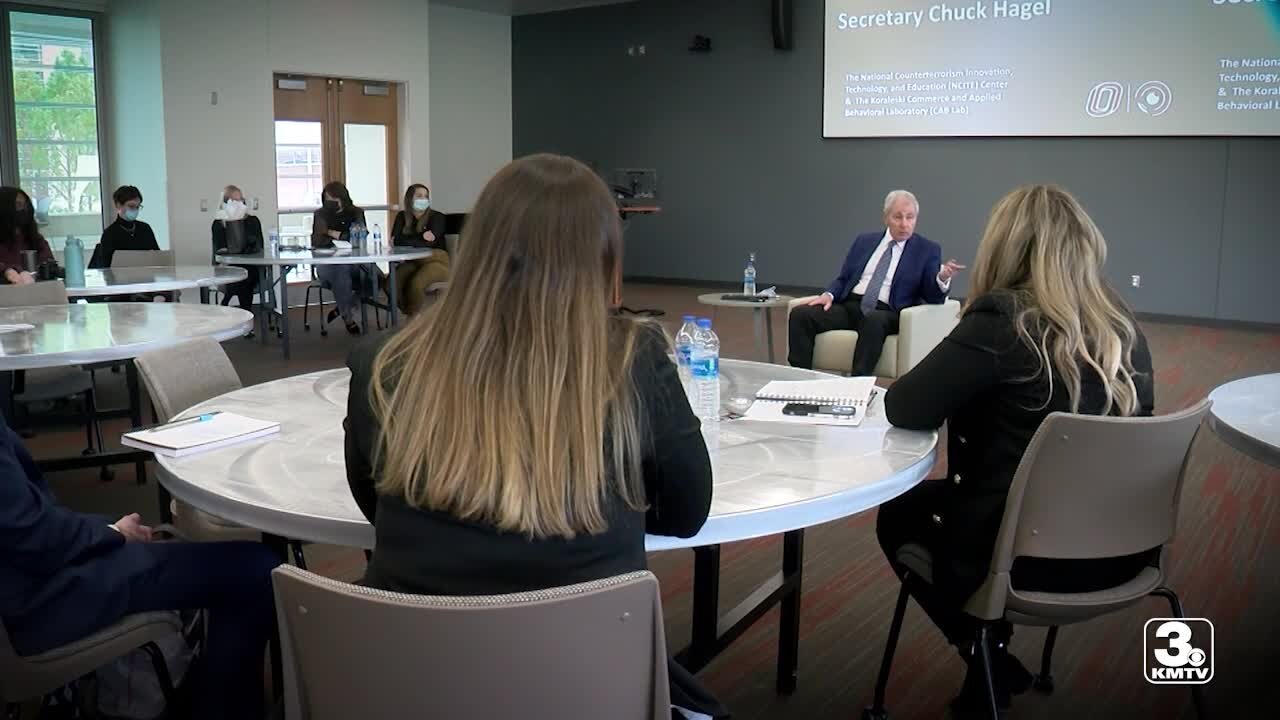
1091	487
590	650
186	374
142	258
51	292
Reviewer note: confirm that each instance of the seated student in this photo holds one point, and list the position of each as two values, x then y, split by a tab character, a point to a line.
65	575
419	226
885	272
333	221
233	210
529	443
1041	332
19	233
127	232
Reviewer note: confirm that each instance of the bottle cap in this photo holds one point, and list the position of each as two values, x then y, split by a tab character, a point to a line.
704	323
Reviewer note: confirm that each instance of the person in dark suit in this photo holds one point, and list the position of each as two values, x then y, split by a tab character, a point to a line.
127	232
1042	332
528	444
233	210
884	272
65	575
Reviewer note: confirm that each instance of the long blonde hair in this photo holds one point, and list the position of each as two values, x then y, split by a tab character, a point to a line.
495	404
1042	247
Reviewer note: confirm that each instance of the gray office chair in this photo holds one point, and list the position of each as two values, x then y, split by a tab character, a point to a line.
1088	487
592	650
176	378
31	387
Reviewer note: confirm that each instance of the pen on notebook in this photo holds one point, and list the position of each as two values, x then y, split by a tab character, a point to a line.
187	421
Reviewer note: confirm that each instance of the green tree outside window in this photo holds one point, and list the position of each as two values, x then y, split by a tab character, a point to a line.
63	136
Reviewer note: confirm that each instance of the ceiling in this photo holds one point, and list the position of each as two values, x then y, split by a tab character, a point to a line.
525	7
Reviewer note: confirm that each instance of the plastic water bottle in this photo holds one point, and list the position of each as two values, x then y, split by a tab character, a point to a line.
749	276
377	239
273	242
357	236
73	262
705	365
684	347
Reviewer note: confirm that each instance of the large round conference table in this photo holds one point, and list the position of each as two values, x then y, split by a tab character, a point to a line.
769	479
1246	415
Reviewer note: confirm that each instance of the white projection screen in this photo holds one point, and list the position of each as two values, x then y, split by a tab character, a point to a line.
912	68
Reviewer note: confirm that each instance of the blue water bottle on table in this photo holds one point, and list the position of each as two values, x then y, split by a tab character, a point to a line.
73	262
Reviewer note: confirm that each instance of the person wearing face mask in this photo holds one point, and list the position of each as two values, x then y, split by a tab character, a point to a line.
419	226
18	233
127	232
333	221
234	209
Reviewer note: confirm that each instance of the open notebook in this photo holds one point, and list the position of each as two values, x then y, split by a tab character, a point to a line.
199	434
855	392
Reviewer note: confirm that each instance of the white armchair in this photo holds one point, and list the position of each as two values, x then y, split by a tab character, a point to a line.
920	329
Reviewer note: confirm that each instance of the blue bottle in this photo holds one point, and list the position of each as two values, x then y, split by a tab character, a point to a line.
73	262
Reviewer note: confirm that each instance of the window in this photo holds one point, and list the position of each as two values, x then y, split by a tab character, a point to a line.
55	122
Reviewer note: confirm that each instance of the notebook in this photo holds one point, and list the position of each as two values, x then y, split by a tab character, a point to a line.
199	434
857	393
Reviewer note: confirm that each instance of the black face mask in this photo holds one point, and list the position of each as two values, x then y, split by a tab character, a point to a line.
26	216
331	205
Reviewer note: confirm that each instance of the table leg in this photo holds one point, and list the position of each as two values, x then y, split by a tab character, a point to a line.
706	609
135	414
264	299
6	398
281	548
204	296
392	309
757	330
373	295
284	308
768	326
789	620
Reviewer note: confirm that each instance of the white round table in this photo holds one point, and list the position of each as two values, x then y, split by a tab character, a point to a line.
132	280
287	260
1246	415
760	309
770	478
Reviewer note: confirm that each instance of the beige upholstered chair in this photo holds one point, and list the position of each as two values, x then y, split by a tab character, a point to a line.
1087	487
27	678
177	378
593	650
920	329
142	258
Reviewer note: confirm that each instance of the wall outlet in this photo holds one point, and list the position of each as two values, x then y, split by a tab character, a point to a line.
1135	281
204	205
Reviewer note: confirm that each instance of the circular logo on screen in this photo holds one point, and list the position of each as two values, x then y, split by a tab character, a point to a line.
1153	98
1104	99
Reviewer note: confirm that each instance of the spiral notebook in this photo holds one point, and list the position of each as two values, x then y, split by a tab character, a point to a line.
855	392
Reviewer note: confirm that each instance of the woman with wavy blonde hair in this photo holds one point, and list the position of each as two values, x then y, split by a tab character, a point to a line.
518	435
1041	332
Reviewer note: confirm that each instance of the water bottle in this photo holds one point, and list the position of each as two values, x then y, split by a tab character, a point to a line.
377	239
73	262
749	276
684	347
273	242
705	366
357	236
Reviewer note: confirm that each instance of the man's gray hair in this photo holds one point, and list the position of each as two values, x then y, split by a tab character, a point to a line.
897	195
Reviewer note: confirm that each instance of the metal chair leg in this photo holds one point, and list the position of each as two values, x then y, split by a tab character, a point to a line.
306	310
1043	683
299	558
984	651
162	673
1175	605
877	710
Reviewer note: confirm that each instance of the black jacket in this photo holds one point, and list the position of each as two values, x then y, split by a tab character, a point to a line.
120	235
253	238
982	381
322	221
404	236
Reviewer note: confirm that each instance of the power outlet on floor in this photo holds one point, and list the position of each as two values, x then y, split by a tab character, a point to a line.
1135	281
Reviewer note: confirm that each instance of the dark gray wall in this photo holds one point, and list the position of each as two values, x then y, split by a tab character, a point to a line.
736	137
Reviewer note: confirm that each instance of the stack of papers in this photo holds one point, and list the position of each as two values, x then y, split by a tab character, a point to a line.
198	434
838	401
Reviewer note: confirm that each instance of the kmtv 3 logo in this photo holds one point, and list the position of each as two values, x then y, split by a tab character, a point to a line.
1177	651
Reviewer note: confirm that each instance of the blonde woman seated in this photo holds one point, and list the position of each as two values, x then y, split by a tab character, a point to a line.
419	226
501	447
1041	332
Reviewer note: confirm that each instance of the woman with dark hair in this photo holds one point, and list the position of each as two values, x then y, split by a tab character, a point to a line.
18	233
447	436
333	221
419	226
232	210
127	232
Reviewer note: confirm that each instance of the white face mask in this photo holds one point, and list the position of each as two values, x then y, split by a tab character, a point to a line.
235	209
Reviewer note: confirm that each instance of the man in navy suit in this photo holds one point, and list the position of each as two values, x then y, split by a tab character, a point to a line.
883	273
65	575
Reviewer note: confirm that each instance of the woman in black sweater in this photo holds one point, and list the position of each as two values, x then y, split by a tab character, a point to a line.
333	221
127	232
233	210
419	226
501	447
1039	326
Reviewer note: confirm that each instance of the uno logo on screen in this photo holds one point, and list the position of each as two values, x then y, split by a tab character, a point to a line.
1152	98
